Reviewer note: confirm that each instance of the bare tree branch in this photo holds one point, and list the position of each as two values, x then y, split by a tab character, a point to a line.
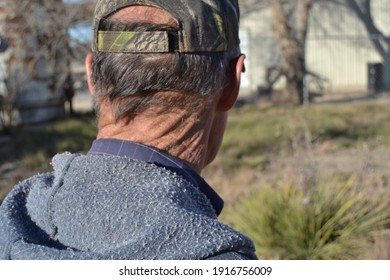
363	11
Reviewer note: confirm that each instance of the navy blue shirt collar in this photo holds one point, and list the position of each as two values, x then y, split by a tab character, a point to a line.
149	154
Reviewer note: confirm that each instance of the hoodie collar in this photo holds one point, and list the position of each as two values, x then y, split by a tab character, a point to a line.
137	151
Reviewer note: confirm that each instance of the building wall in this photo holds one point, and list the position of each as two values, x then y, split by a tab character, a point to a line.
338	47
259	42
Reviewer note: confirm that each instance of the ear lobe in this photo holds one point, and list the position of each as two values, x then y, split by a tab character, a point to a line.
88	68
230	93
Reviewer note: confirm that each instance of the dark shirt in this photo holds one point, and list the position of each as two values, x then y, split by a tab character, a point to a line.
149	154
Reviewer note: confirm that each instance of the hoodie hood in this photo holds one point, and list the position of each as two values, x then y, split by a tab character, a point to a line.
107	207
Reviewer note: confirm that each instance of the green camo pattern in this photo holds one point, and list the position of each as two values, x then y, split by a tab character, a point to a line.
207	26
137	42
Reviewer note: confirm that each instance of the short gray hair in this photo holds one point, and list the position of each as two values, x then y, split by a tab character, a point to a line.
130	81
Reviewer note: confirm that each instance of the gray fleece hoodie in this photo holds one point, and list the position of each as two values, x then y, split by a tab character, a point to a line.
93	207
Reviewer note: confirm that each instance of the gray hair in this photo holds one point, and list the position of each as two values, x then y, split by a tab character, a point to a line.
130	81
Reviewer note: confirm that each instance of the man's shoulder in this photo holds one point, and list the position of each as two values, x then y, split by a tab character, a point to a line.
22	189
232	255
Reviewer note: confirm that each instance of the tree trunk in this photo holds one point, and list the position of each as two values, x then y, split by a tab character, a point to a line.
292	44
301	17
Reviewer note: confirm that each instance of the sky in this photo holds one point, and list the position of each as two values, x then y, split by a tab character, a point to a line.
81	33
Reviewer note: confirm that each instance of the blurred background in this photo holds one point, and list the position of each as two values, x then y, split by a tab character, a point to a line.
304	168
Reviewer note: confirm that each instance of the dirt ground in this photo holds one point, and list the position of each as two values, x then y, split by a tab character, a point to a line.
368	167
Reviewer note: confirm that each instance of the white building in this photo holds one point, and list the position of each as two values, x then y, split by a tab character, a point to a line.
339	49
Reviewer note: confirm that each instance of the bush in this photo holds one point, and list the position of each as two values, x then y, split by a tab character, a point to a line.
324	222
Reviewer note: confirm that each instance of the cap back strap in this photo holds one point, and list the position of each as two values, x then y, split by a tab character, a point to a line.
144	42
137	42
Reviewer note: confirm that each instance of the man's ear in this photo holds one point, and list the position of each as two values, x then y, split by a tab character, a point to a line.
88	68
230	93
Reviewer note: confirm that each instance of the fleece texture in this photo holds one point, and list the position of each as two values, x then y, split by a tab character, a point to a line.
108	207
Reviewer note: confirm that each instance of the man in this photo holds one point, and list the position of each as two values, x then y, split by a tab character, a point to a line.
163	74
3	44
68	91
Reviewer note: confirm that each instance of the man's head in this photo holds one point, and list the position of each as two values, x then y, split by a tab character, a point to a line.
164	55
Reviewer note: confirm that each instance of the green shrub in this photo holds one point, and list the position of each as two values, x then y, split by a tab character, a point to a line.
324	222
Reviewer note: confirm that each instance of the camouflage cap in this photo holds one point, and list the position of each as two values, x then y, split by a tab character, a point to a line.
204	26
